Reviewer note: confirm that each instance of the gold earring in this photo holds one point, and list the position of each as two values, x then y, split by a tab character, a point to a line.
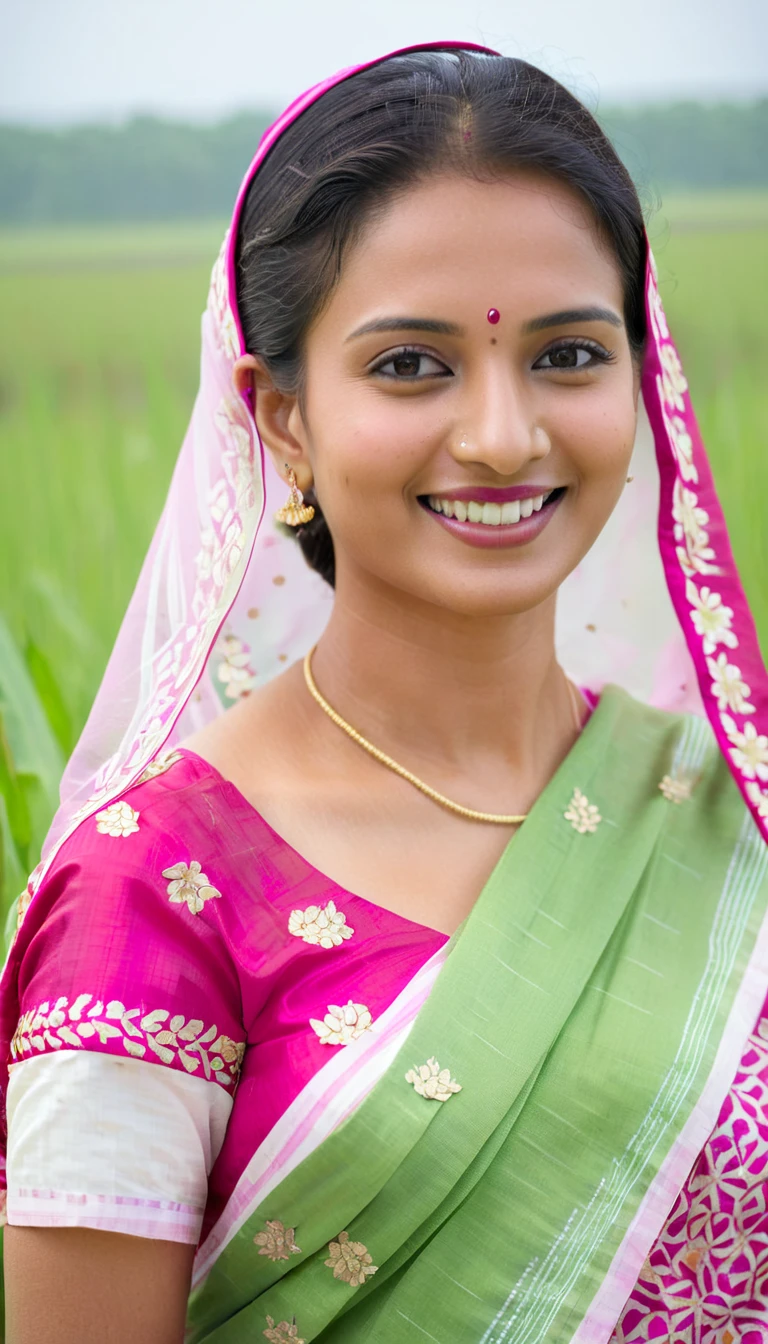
630	479
294	511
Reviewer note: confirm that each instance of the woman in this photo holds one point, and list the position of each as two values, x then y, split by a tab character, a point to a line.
421	995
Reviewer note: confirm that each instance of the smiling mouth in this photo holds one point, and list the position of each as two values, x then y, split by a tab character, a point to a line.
489	514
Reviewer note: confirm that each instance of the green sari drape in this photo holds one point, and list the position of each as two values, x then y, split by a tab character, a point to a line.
581	1008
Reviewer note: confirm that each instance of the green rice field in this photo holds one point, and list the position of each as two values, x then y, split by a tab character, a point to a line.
98	370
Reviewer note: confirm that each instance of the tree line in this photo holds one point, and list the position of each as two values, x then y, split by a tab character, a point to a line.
151	169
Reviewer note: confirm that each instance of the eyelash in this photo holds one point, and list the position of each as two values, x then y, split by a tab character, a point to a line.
598	353
580	343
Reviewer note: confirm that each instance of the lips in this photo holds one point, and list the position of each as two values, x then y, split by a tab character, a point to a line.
490	512
495	522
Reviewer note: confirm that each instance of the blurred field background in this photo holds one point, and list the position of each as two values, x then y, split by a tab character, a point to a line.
99	345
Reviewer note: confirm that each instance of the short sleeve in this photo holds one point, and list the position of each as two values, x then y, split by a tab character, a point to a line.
120	963
111	1144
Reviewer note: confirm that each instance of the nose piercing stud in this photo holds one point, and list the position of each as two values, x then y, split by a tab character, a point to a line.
493	316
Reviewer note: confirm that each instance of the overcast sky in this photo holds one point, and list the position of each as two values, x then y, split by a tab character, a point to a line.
70	60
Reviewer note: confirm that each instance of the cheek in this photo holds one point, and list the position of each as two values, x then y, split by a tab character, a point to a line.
370	445
598	434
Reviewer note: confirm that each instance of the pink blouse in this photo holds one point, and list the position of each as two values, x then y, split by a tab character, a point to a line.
184	975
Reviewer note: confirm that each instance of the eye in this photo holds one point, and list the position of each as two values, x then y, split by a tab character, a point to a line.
574	355
410	365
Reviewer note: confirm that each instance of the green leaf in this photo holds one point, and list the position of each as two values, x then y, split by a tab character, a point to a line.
50	695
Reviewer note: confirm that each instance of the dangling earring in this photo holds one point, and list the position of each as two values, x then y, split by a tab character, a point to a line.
294	511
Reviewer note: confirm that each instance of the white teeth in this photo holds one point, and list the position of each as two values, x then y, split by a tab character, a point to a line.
510	512
488	513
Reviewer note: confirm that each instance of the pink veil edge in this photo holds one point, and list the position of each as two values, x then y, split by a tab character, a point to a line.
219	594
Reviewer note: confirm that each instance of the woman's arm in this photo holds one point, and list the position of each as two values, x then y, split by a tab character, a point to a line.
72	1285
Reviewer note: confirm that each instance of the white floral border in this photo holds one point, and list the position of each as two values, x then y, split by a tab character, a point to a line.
234	510
710	617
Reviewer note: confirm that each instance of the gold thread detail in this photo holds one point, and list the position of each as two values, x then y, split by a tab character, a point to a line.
583	815
277	1242
350	1261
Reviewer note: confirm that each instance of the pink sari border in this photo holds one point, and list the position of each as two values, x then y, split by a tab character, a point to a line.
700	570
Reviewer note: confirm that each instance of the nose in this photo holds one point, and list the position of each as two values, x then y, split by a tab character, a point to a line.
497	424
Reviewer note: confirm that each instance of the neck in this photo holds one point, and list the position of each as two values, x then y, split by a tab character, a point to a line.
448	690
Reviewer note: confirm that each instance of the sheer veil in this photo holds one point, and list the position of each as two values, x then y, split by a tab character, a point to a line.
224	601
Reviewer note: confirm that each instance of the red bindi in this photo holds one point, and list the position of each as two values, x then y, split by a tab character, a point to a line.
493	316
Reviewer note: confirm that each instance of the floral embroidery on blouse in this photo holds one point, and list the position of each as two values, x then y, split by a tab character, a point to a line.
117	819
186	1041
159	766
432	1082
286	1332
189	884
278	1242
583	815
322	926
341	1026
676	789
350	1260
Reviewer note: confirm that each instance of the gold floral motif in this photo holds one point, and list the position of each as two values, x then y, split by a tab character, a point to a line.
159	766
117	819
171	1039
341	1026
278	1241
432	1082
189	884
322	926
583	815
350	1261
286	1332
676	788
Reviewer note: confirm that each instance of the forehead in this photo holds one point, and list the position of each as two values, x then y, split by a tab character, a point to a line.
524	240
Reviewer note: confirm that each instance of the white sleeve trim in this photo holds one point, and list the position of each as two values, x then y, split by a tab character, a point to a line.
119	1145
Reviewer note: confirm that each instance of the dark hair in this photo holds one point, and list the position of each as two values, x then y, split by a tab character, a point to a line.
383	128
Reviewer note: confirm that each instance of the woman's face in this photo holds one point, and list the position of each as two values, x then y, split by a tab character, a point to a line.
423	422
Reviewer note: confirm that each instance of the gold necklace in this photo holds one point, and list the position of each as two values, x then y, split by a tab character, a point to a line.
400	769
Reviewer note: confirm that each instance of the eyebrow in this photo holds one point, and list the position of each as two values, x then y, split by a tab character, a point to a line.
432	325
568	315
439	328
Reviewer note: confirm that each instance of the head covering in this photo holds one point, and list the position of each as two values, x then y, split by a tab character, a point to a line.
224	600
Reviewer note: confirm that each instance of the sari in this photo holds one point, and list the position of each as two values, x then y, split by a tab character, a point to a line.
552	1126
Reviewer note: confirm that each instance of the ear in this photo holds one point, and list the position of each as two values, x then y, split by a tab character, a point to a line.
278	418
